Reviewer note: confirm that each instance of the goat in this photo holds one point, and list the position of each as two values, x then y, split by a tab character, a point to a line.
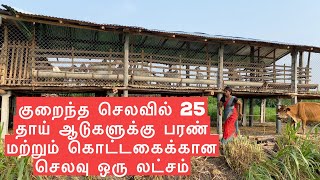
55	69
136	71
172	74
199	76
117	68
83	68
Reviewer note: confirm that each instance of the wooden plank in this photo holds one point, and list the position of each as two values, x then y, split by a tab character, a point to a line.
294	80
5	56
16	61
11	64
66	74
308	66
126	65
299	69
26	65
274	66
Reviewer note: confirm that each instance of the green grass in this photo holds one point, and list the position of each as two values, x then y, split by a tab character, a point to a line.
297	158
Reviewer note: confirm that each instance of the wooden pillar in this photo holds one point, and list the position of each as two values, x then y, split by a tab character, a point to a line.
251	112
300	66
4	54
308	71
126	65
294	82
274	67
263	111
220	86
244	112
278	120
5	112
188	66
252	71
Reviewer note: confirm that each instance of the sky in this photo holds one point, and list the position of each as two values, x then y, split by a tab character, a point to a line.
289	21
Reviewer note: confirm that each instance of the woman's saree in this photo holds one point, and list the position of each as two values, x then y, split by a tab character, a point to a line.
230	117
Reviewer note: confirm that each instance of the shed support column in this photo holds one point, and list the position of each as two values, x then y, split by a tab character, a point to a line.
294	82
126	65
263	111
220	86
278	120
5	107
251	113
244	112
301	70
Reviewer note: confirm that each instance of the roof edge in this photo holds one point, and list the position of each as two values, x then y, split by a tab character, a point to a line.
199	37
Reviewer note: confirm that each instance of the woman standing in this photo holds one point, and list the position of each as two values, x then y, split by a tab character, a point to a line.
230	114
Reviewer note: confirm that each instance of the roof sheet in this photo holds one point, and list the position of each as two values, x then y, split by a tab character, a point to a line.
195	34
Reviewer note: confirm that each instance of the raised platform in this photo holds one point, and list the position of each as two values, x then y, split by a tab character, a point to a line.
144	90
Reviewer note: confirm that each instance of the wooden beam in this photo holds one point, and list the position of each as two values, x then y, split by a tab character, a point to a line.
251	105
301	66
226	59
220	67
263	110
294	82
278	120
252	74
198	50
244	112
143	41
126	65
5	113
308	68
274	66
220	86
161	46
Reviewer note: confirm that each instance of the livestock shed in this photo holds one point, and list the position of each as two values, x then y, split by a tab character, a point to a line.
43	54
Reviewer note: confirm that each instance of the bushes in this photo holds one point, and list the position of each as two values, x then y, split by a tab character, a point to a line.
297	158
241	153
13	167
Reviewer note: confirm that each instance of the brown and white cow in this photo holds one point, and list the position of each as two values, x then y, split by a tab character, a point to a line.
301	112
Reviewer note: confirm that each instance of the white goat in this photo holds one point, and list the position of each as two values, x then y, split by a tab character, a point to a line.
55	69
117	67
172	74
139	70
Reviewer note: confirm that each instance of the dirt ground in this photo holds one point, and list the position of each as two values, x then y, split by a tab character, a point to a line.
261	129
221	169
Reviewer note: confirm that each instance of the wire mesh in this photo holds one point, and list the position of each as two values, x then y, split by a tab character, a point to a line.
49	55
170	63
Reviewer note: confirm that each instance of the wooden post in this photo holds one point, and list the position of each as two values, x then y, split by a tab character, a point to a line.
244	112
274	67
252	71
5	108
188	66
278	120
4	61
126	65
300	66
208	64
284	73
220	67
72	59
220	86
263	111
33	55
251	112
308	70
294	82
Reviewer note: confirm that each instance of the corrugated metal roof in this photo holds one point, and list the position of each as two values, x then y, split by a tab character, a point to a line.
194	34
